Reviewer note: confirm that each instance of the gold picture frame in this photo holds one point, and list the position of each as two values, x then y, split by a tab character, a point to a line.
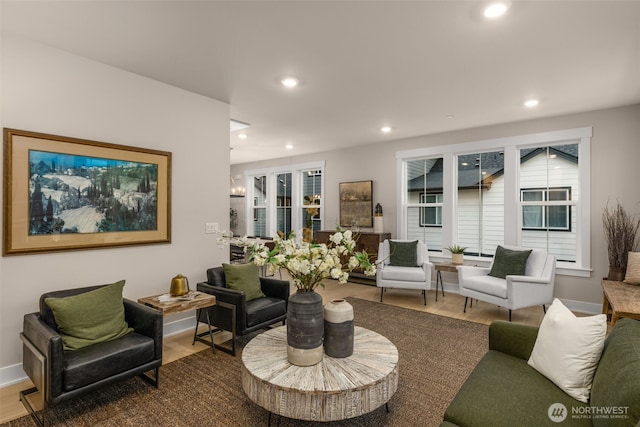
356	204
64	193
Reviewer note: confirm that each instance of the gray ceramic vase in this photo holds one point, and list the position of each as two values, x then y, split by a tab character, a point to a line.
338	328
305	327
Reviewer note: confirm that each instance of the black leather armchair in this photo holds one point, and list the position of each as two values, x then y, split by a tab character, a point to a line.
250	315
60	375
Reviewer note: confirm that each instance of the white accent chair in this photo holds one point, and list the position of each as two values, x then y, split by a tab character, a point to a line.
513	292
391	276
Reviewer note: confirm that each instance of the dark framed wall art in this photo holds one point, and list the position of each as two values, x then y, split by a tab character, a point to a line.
64	193
356	204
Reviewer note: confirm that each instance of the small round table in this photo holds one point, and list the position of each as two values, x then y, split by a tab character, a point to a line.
334	389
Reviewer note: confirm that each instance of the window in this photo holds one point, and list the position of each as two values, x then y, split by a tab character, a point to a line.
549	199
480	202
283	203
311	201
536	215
285	199
431	216
259	208
530	190
424	201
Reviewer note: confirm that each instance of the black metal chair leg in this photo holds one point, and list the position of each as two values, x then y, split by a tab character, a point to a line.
424	296
465	304
381	292
544	308
509	315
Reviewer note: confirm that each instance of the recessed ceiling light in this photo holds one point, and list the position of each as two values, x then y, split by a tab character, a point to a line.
242	135
289	82
496	9
450	116
530	103
385	129
289	146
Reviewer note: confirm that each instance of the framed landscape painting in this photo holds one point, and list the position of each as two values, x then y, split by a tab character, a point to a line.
65	193
356	205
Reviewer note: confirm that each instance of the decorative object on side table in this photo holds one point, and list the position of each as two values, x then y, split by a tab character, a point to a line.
378	224
308	264
620	231
457	253
179	286
338	328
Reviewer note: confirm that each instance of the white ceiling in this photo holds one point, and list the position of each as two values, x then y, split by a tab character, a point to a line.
361	64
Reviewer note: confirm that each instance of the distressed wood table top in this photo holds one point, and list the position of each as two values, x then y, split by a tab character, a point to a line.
620	300
334	389
199	300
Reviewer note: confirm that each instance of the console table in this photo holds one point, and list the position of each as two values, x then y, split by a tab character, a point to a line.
334	389
368	242
620	300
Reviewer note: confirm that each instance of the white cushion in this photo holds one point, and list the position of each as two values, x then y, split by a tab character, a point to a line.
487	285
568	349
405	274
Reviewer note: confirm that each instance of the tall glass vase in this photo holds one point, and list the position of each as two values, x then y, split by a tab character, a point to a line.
305	328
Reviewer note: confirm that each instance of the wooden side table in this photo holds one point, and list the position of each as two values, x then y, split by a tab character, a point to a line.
620	300
192	301
440	267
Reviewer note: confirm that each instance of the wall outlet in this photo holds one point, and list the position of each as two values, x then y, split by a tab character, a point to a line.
211	227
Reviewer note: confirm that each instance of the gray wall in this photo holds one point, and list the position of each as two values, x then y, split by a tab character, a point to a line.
50	91
615	150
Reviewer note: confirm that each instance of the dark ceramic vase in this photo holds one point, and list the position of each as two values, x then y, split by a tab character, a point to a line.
305	328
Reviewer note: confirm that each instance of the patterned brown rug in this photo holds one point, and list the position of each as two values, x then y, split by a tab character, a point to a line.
436	356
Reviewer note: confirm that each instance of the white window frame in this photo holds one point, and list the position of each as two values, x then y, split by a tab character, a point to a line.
296	171
512	210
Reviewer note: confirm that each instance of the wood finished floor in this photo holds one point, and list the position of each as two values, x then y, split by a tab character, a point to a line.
179	345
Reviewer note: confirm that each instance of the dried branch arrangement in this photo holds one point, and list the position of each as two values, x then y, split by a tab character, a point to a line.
621	233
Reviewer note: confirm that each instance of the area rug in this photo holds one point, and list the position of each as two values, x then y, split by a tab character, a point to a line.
436	356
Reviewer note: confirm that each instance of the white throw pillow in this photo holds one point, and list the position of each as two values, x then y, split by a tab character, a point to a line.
568	349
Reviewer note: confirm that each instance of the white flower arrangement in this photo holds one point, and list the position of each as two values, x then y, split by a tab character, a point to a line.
309	263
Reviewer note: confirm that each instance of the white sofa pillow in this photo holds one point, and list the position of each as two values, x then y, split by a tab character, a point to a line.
568	349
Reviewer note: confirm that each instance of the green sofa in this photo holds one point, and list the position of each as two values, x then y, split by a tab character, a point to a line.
503	390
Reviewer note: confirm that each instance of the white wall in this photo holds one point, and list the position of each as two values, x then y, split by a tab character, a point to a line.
50	91
615	150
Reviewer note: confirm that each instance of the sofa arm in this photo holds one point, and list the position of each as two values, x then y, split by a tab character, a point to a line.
512	338
275	288
145	321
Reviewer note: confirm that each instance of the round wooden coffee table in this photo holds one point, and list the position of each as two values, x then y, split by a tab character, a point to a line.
334	389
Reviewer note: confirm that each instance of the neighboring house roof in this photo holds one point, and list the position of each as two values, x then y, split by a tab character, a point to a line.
470	172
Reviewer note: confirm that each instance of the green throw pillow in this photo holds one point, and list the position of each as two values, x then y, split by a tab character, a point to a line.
243	277
403	254
91	317
508	262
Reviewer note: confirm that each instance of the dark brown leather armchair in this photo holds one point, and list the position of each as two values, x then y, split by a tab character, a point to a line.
61	374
